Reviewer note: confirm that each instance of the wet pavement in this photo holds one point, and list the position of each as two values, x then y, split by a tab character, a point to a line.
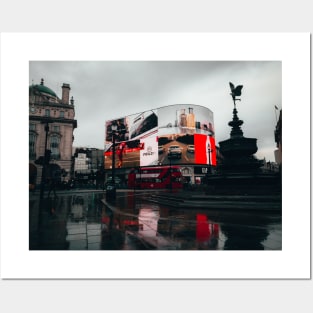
87	221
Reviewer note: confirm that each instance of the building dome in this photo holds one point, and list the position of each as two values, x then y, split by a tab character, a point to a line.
41	89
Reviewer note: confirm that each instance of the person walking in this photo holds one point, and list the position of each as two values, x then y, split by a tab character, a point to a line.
53	179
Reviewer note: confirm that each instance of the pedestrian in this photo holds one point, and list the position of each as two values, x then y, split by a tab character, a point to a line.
53	178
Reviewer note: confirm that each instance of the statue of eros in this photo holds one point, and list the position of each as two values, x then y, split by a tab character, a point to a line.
235	92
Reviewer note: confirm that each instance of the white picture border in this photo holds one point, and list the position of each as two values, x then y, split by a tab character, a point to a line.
293	262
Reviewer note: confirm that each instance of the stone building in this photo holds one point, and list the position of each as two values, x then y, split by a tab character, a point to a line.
51	126
88	158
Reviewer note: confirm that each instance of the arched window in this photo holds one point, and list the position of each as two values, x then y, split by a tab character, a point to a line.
55	147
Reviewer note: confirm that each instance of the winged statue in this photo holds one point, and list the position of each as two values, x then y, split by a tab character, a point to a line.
235	91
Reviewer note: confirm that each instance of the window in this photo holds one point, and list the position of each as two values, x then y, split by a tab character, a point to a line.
32	127
55	147
47	112
62	114
56	129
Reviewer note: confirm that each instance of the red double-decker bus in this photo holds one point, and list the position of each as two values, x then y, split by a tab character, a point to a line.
156	177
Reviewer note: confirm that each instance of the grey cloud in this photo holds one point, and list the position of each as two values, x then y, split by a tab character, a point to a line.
105	90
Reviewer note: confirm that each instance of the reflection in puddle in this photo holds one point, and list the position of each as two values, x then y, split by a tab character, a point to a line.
83	222
139	225
77	210
153	227
83	227
207	233
148	218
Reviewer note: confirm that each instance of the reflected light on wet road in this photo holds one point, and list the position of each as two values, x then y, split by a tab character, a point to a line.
83	222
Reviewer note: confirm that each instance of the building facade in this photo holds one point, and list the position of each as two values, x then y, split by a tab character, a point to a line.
51	127
88	159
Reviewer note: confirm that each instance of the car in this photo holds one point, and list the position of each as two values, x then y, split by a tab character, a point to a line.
191	148
174	151
161	149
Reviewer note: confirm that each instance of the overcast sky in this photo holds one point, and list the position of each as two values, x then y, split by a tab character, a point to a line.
111	89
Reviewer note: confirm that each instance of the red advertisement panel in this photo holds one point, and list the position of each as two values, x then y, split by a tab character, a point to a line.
205	152
200	149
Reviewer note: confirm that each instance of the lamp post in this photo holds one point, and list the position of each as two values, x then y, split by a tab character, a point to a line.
171	186
111	188
114	129
45	162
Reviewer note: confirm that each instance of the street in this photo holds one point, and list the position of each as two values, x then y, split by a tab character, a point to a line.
84	220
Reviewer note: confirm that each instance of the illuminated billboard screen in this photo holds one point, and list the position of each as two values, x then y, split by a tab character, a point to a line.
176	134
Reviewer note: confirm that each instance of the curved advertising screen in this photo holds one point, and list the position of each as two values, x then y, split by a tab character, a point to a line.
175	134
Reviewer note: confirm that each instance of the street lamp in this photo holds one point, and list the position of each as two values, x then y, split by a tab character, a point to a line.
171	186
114	129
111	189
45	161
